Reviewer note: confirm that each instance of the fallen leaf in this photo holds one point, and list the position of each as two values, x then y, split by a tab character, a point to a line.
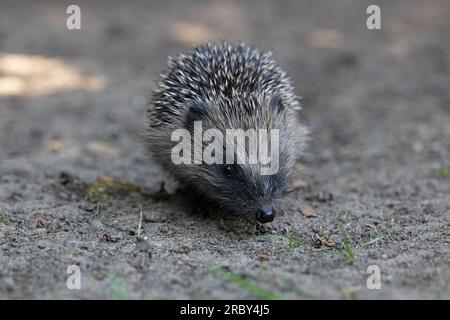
265	256
325	242
105	186
183	250
40	223
308	212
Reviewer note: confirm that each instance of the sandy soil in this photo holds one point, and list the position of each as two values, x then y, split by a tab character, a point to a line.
74	174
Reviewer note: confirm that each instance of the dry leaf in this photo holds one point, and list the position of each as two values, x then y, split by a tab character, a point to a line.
308	212
325	242
40	223
265	256
184	250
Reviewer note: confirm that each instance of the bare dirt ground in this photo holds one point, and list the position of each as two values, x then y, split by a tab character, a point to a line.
74	173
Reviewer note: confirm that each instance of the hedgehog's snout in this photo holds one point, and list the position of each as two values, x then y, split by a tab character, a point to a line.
265	214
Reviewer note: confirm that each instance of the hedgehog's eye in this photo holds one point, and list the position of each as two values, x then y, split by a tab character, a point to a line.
228	171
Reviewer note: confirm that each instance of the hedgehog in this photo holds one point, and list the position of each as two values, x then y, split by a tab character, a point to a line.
225	86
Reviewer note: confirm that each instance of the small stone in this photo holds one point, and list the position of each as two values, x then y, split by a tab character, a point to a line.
9	283
418	147
111	237
183	250
97	224
325	196
65	178
88	207
63	195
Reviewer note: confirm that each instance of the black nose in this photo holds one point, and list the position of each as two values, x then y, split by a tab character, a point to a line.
265	214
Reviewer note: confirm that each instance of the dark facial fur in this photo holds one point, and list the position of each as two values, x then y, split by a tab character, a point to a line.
227	86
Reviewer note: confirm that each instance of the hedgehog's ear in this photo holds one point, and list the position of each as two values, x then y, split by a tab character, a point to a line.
196	112
276	103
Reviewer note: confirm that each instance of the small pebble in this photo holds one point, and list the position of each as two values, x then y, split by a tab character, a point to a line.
9	283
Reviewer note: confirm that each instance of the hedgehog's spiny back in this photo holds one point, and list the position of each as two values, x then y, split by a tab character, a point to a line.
216	73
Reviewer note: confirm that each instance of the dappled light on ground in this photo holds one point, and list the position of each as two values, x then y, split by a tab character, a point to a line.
22	74
189	32
324	38
211	22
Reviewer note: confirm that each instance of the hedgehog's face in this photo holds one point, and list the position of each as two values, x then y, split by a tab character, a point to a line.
242	186
241	189
249	192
